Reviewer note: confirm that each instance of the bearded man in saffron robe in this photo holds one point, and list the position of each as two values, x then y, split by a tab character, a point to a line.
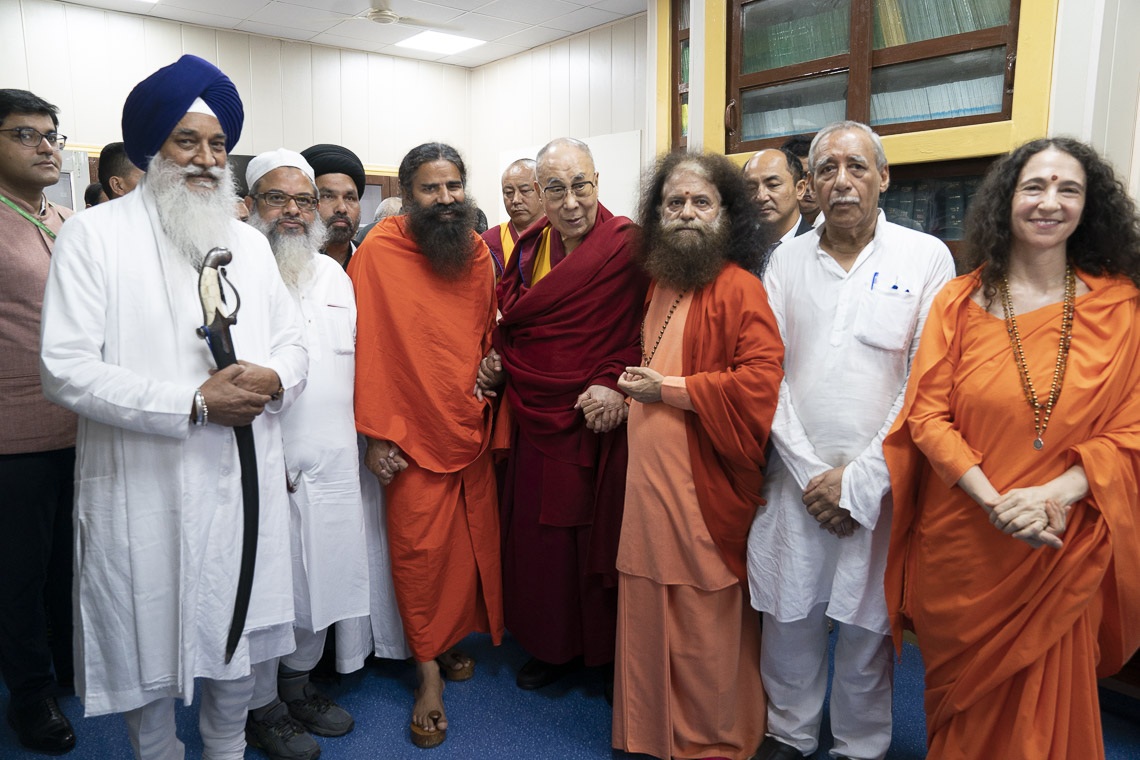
571	309
688	644
425	291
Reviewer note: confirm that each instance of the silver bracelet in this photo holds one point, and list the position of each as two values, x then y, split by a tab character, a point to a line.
200	408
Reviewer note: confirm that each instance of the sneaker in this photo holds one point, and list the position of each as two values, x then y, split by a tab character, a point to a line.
281	737
320	714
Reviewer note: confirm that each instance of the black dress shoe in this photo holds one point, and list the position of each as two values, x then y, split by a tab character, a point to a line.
774	749
536	673
42	727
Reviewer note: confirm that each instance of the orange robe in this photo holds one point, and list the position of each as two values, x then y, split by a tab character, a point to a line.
419	341
1013	637
687	676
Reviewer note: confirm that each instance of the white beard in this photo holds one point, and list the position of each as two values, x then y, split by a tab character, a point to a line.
195	220
294	253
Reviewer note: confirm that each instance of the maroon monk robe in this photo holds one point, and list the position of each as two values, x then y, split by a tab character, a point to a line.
565	486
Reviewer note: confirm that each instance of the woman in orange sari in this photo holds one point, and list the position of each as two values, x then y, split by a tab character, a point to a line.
1015	466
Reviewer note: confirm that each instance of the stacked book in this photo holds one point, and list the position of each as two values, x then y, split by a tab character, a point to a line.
898	22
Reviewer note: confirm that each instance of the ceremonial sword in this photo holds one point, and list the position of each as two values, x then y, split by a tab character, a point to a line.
216	331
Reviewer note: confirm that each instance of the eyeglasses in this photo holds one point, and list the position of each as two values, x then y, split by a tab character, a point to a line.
280	200
557	193
33	137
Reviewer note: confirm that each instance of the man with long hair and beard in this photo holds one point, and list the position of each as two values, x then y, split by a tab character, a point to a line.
330	562
159	497
425	293
688	644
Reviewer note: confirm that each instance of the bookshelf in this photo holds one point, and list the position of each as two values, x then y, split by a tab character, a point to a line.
934	198
907	67
680	74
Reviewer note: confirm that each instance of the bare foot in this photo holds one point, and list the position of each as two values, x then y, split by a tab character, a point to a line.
429	698
457	665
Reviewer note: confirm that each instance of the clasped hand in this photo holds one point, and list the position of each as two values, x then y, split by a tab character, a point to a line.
604	408
235	395
821	498
490	375
384	460
1034	515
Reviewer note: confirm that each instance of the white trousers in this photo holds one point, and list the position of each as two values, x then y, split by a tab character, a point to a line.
793	664
221	721
310	647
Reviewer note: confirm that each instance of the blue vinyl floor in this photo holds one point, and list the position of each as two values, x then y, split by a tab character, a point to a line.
491	718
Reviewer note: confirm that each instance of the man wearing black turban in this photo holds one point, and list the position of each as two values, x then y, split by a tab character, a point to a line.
158	492
340	183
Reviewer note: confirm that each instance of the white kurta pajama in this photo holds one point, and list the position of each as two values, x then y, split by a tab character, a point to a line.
849	339
158	501
330	568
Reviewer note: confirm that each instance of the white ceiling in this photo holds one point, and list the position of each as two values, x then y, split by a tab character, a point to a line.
508	26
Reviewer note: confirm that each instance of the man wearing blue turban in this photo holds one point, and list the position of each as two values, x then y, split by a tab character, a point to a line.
158	491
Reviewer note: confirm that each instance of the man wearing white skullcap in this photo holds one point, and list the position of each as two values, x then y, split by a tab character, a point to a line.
330	561
161	492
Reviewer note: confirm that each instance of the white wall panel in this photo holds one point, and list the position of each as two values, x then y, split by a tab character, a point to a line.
326	95
296	95
200	42
600	81
86	36
540	98
162	45
353	85
623	75
48	58
13	60
579	75
234	59
378	108
590	85
265	125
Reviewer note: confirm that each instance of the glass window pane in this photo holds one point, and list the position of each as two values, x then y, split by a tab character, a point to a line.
684	62
683	15
779	33
965	84
935	206
685	116
802	106
898	22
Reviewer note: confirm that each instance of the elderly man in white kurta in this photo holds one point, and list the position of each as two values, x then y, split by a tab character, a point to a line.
330	564
158	492
850	298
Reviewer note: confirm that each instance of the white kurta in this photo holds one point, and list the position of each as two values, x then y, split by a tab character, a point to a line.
158	502
382	631
849	340
330	563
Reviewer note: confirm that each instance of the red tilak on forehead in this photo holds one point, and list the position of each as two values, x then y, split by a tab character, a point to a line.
1054	177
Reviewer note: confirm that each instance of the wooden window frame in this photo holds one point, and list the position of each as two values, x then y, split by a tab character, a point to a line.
678	36
858	64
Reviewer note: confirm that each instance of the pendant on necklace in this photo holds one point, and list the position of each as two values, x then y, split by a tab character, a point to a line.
1038	444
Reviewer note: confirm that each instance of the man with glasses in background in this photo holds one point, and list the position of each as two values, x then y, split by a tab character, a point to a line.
37	438
523	205
561	347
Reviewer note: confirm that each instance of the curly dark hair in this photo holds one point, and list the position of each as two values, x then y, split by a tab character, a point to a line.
748	238
1105	242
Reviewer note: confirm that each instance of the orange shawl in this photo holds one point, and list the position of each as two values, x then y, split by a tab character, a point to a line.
419	341
999	622
733	364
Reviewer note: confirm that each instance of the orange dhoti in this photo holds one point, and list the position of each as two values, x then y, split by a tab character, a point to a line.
443	532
